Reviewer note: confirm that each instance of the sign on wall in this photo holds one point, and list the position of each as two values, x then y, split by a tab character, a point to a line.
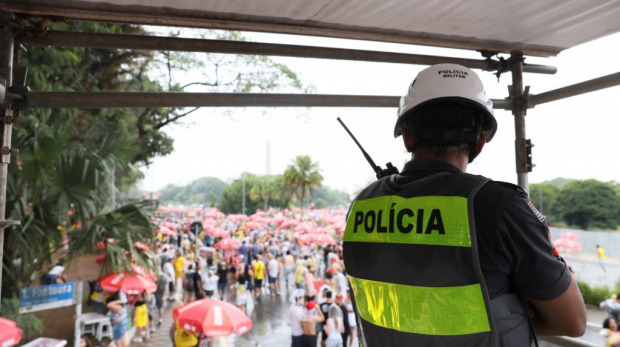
46	297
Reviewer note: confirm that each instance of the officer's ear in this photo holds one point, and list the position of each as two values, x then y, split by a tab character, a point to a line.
407	138
482	140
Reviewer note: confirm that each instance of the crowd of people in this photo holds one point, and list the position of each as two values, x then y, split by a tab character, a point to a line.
265	261
269	259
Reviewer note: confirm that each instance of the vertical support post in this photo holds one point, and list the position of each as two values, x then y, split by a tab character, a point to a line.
518	111
7	37
79	294
243	193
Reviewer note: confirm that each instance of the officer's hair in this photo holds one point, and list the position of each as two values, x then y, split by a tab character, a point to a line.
437	150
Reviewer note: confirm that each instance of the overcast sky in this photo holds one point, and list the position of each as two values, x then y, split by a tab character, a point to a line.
573	138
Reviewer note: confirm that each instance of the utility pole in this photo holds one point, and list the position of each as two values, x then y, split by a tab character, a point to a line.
540	203
243	193
268	159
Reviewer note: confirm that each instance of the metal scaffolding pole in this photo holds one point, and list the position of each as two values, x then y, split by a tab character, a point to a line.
7	36
593	85
173	99
518	110
154	43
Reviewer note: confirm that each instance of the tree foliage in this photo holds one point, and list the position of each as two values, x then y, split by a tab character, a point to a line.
589	203
544	196
70	161
232	195
303	176
324	197
197	192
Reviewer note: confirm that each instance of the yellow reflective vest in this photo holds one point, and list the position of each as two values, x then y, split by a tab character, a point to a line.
411	258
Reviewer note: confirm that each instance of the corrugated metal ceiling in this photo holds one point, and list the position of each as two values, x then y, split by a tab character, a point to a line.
535	27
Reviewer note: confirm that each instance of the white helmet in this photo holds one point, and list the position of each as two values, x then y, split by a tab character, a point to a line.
447	82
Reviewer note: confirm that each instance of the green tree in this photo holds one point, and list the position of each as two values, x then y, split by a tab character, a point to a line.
326	197
67	156
232	196
265	189
303	175
213	199
53	186
560	182
543	196
197	192
589	203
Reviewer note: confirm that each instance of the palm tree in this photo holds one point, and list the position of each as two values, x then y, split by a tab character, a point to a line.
303	175
266	188
57	184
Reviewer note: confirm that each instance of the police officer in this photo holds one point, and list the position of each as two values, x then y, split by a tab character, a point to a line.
438	257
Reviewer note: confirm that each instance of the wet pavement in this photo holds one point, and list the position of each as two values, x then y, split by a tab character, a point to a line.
270	326
272	329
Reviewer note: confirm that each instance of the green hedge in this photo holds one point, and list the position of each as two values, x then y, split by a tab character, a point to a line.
595	295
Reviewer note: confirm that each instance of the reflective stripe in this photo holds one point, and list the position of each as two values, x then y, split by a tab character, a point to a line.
428	220
421	310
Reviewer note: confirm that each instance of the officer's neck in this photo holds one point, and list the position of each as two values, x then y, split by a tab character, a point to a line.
459	160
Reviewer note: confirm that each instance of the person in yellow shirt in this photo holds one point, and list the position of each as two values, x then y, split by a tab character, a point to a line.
600	254
182	338
300	272
179	268
312	264
141	319
259	274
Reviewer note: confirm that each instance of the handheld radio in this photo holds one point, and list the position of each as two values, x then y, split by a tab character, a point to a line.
390	169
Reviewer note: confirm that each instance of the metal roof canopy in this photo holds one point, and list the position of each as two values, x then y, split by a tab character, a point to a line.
517	27
535	28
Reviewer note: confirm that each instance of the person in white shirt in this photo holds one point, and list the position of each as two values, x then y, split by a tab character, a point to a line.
272	272
334	327
286	245
209	283
296	314
341	281
169	275
56	274
320	295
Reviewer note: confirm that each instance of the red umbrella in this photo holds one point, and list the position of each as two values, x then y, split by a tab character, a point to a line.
570	235
169	225
289	223
166	231
212	318
130	284
305	227
323	239
253	225
212	213
236	217
141	245
100	259
307	238
209	223
320	230
139	270
228	243
567	245
10	334
108	275
217	232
